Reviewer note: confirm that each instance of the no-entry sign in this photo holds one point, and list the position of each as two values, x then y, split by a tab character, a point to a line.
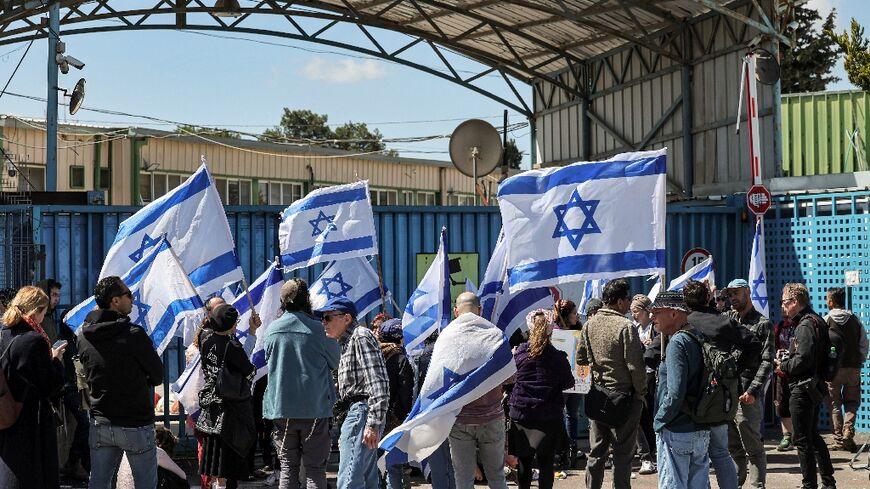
758	199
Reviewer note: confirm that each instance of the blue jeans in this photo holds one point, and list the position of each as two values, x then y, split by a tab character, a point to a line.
109	443
575	417
470	442
720	457
357	465
682	459
441	468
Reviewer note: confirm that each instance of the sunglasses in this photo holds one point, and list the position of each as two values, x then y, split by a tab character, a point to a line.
126	294
329	317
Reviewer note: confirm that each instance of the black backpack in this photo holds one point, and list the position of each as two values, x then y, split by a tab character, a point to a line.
827	360
716	399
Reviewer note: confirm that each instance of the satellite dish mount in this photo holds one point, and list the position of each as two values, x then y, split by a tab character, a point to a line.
475	149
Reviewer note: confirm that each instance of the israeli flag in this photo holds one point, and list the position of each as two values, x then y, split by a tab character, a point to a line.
353	279
757	272
493	279
591	289
656	288
471	358
330	224
702	272
428	307
193	220
163	297
585	221
265	292
266	295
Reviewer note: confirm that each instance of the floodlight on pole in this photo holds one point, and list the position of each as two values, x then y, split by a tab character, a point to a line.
227	8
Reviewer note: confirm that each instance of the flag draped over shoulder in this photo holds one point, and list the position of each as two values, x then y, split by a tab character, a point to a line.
163	297
428	308
471	357
329	224
353	279
757	272
585	221
192	218
702	272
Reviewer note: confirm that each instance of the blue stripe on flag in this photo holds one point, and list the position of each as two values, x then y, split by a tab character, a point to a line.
180	387
424	321
575	174
332	248
518	303
324	200
476	377
368	299
215	268
575	265
259	359
142	220
167	321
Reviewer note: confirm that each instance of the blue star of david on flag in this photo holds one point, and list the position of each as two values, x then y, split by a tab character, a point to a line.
756	295
413	299
589	225
141	310
344	287
322	218
147	243
449	379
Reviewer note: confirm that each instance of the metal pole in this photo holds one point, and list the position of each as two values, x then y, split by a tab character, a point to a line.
51	109
474	171
777	119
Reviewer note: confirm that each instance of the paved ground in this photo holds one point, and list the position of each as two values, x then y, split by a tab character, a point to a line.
783	472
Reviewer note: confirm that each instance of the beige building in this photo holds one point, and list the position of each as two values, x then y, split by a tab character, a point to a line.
135	166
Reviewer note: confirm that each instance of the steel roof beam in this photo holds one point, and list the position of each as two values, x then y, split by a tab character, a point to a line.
722	9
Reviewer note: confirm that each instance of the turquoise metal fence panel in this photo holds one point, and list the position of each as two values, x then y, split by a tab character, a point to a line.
814	239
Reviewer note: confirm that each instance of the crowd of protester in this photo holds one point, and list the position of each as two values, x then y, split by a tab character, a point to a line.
82	402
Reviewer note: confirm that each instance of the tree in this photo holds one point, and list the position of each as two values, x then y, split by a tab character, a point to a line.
512	155
355	136
806	66
207	131
855	47
298	125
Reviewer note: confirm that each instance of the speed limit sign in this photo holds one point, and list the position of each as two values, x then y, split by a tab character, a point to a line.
693	257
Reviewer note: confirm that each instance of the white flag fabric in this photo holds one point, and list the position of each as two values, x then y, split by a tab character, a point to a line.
702	272
193	220
428	308
591	289
329	224
266	294
585	221
656	288
493	279
163	297
758	272
471	357
353	279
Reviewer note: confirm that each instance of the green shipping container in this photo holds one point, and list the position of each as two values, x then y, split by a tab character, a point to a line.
825	133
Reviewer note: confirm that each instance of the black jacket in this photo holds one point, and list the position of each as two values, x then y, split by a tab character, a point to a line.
758	368
727	335
401	377
122	369
804	360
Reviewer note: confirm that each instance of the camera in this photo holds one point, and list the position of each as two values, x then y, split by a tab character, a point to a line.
782	355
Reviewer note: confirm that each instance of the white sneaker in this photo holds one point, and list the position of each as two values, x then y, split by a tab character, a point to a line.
535	474
646	468
272	480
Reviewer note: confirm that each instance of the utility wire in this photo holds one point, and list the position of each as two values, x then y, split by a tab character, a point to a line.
16	69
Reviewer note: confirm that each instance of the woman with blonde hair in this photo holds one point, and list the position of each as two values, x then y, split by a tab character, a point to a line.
34	373
536	403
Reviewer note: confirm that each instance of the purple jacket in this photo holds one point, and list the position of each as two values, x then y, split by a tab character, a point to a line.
537	393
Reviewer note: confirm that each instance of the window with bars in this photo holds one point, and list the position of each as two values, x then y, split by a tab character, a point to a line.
278	193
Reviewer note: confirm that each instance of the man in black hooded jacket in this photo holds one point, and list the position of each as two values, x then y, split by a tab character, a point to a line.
122	369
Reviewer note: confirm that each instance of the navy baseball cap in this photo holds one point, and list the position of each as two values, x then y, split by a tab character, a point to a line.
391	330
338	304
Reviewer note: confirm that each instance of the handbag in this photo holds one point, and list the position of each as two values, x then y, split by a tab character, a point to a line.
605	405
230	385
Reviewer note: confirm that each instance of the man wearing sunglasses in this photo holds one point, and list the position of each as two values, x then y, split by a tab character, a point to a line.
364	395
122	369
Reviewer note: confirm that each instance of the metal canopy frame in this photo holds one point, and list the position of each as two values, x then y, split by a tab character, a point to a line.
533	42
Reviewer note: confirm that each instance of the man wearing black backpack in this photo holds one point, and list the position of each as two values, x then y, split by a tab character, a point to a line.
849	338
805	368
728	336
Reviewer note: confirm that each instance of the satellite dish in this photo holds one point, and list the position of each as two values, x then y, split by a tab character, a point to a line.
78	97
475	148
766	68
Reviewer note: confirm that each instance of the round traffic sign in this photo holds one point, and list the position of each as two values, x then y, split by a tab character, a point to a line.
758	199
693	257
